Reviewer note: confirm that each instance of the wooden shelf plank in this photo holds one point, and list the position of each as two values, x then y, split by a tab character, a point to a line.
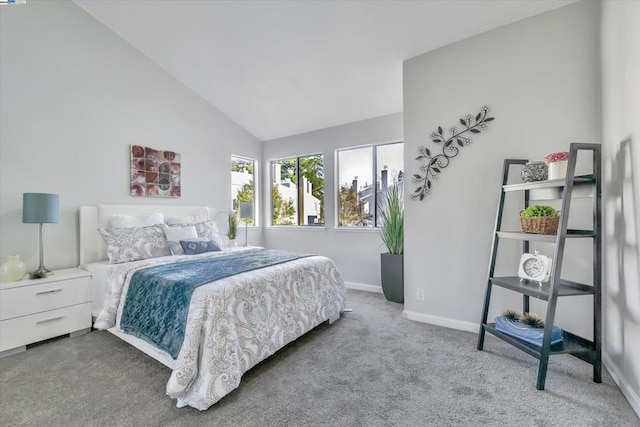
580	233
570	343
533	289
519	235
548	238
549	183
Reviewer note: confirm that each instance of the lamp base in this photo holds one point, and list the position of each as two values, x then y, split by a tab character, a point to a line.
40	273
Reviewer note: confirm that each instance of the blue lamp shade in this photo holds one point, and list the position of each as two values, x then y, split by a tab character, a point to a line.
246	210
40	208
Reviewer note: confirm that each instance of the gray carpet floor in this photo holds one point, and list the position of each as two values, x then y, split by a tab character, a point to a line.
370	368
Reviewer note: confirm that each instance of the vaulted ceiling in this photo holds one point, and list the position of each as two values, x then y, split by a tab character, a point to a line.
279	68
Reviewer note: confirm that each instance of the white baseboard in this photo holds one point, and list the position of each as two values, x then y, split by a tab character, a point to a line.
620	380
441	321
363	287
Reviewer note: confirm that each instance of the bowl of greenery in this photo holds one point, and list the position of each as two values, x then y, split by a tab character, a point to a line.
540	219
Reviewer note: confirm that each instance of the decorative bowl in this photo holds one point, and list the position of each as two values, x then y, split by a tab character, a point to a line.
534	171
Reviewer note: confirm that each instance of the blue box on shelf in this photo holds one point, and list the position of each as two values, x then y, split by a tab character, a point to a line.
525	332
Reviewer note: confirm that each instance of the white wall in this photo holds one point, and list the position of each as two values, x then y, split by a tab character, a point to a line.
541	77
355	252
620	48
74	97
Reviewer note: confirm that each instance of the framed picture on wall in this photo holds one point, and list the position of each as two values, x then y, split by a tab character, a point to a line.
154	173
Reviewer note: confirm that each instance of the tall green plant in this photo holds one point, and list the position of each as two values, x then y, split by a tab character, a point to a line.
232	233
391	228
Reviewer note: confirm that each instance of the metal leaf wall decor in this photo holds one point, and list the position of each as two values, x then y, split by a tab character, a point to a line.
430	170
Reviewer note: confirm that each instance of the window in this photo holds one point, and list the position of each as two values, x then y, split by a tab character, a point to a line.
364	173
297	191
242	184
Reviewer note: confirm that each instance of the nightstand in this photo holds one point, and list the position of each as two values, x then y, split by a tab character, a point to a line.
36	310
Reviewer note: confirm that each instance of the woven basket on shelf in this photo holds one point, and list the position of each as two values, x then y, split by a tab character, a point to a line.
539	224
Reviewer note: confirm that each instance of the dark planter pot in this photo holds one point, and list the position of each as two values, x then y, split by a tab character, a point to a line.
392	275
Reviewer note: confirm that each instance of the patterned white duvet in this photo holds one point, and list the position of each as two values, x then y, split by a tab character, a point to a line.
236	322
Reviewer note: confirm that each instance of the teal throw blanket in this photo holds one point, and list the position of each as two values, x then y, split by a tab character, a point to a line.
157	301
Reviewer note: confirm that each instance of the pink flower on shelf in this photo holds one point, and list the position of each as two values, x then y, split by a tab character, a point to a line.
557	157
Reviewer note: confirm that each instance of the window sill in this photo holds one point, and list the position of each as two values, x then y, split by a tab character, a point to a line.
356	229
297	227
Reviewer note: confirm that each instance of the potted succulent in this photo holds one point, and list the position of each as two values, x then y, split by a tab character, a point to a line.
391	232
540	219
232	230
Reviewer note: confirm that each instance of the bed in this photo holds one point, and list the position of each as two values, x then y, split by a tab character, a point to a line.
219	322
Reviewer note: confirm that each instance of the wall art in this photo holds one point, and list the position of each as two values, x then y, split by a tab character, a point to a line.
154	173
430	170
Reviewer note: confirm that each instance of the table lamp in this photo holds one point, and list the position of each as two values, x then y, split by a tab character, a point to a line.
40	208
246	213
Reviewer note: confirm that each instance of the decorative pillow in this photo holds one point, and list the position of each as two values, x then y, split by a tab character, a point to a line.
131	244
198	246
207	230
176	233
206	227
183	220
135	221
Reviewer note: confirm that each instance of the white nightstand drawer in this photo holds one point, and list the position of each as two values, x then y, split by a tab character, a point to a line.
29	299
41	326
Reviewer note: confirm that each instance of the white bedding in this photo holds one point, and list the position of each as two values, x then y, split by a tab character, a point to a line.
236	322
99	272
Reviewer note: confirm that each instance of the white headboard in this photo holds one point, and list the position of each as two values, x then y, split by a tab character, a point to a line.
92	217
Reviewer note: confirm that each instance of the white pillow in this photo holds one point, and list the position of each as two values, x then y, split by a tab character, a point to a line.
131	244
176	233
136	221
181	220
209	230
206	229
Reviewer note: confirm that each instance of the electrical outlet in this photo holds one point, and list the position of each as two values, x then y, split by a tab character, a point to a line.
420	294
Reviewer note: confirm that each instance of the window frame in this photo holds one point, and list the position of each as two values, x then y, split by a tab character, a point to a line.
256	186
299	212
337	184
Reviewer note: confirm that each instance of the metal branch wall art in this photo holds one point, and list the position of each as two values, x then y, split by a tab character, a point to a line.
430	170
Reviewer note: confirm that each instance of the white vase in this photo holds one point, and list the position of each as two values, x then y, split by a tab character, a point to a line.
13	270
557	170
233	243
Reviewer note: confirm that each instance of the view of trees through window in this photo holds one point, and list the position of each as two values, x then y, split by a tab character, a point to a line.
364	174
297	191
242	183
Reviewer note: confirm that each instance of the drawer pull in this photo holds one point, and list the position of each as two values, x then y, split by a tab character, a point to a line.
49	292
49	320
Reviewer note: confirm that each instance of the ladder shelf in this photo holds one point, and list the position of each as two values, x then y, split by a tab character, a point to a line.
586	350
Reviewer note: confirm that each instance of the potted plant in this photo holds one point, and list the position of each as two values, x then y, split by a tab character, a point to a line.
391	232
232	230
540	219
557	164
